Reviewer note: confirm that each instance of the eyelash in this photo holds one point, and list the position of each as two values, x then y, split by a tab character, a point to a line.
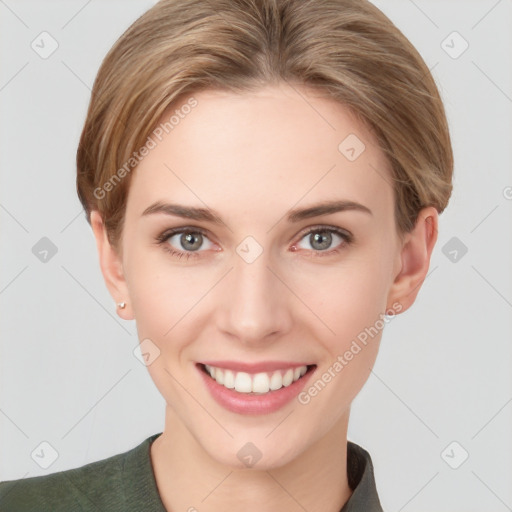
164	237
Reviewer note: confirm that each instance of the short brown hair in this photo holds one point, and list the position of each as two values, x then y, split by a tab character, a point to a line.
347	49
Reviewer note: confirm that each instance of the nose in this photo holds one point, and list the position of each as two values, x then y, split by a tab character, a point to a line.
254	303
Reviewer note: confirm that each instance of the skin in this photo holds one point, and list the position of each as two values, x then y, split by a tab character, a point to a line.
252	158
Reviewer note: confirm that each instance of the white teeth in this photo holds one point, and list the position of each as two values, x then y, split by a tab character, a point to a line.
288	377
260	383
299	372
256	383
229	379
243	382
219	376
276	381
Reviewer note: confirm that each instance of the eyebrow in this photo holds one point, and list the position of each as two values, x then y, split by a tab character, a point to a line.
296	215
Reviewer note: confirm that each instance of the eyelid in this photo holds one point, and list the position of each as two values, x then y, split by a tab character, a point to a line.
327	227
168	233
345	235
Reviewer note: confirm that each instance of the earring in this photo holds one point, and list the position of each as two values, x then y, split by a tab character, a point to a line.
121	305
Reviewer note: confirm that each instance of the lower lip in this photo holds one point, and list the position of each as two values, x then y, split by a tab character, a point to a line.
248	403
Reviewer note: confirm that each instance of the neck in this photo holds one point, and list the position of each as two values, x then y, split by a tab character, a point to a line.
189	479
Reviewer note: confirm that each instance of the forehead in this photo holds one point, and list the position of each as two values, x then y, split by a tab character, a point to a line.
277	147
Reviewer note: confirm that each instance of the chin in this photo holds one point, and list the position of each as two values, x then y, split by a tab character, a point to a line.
252	455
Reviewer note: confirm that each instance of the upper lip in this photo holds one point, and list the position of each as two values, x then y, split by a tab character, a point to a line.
263	366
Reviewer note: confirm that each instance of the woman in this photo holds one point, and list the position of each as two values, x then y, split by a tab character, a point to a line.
263	179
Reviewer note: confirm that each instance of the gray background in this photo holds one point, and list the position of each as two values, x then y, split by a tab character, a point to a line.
69	376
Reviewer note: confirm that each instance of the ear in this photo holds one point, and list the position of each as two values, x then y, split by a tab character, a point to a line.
414	259
111	267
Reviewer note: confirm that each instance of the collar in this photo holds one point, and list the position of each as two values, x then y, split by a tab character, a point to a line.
361	480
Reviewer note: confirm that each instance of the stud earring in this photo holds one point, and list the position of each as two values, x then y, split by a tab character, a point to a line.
121	305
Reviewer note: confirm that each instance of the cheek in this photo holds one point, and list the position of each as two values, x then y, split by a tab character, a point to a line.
166	300
350	304
345	299
339	300
160	293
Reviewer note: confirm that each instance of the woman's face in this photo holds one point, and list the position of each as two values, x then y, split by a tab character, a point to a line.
258	281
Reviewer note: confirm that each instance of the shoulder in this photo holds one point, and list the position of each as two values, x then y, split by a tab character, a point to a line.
77	489
361	480
96	486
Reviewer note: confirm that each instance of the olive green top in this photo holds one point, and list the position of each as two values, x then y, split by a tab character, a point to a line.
126	483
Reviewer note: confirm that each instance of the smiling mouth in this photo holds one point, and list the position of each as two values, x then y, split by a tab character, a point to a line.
256	383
